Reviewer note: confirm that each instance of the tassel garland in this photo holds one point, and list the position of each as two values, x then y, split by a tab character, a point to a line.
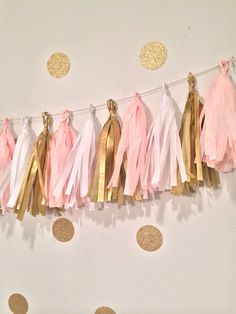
65	170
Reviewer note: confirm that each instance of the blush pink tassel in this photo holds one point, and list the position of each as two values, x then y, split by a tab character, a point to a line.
61	144
133	144
7	146
218	137
76	175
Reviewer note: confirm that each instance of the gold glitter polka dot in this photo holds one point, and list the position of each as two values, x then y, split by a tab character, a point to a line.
104	310
63	230
149	238
153	55
18	304
58	64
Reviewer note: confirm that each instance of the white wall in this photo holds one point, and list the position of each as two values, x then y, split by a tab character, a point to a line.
194	272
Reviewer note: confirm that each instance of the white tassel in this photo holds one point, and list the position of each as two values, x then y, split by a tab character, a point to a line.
20	160
164	153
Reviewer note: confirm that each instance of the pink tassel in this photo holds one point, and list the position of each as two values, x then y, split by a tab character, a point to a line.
76	175
133	143
61	144
218	137
7	145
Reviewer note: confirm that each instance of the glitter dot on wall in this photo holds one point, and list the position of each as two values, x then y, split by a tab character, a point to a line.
58	65
153	55
63	229
104	310
149	238
18	304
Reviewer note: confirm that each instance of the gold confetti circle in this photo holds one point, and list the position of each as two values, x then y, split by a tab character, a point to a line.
153	55
63	229
18	304
149	238
58	64
104	310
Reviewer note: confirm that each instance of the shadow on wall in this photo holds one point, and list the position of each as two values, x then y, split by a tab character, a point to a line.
184	208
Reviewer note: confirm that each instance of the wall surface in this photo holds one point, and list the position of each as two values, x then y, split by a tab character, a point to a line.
194	272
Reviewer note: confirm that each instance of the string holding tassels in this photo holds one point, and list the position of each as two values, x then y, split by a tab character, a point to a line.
231	60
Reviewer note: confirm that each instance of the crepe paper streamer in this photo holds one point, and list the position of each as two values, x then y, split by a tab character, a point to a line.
7	146
32	189
197	172
61	144
76	175
132	144
164	153
218	138
21	156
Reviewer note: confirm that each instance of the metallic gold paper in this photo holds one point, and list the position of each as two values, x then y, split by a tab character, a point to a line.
58	64
32	189
63	230
197	172
18	304
104	310
106	154
153	55
149	238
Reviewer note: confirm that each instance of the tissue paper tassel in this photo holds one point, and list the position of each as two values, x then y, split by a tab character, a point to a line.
20	160
197	172
164	153
60	146
32	189
132	146
7	145
218	138
76	175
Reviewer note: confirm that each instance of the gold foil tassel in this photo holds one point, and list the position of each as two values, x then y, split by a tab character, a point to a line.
197	172
106	153
32	189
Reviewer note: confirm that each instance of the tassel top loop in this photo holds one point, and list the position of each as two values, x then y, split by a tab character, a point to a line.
191	82
165	88
66	116
92	111
47	119
136	95
6	124
224	67
112	106
25	122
